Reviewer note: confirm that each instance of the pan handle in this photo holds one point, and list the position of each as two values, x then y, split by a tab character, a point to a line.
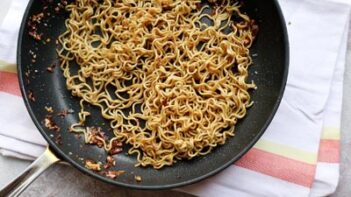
16	187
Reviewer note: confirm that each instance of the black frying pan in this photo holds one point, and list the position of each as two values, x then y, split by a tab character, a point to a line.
269	72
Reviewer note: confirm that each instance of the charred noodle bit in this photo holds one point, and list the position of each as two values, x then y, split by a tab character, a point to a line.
92	165
31	96
188	78
112	174
49	109
50	123
138	178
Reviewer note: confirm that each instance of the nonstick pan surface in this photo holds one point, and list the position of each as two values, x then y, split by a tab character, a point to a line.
269	72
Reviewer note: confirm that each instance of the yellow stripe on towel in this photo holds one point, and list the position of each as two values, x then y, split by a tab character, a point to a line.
331	133
7	67
287	151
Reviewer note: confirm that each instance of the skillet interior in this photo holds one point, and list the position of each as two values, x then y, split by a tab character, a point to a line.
269	72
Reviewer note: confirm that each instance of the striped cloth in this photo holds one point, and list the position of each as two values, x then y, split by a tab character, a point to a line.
299	153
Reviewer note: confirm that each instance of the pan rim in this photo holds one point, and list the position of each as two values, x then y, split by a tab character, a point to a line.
65	157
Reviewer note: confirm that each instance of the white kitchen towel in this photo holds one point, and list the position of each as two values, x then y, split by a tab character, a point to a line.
327	172
293	158
18	135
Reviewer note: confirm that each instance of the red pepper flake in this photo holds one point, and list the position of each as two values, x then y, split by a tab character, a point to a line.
254	28
112	174
116	147
246	42
97	137
62	113
37	17
109	162
50	69
33	23
222	4
78	136
213	12
27	73
58	139
99	143
31	96
115	151
35	35
164	102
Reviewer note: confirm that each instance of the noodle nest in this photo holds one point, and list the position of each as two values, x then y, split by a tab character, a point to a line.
171	85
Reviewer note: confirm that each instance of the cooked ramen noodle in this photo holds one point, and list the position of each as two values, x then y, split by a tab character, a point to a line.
170	76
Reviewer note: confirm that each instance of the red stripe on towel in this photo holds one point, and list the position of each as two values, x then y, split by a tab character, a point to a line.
278	166
329	151
9	83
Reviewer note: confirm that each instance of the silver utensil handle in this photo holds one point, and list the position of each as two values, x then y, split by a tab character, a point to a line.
17	186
